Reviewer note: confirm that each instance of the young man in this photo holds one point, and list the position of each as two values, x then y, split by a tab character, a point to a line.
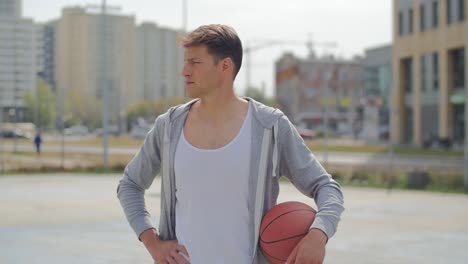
220	158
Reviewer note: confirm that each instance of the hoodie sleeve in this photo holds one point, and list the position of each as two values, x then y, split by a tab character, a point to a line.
138	177
305	172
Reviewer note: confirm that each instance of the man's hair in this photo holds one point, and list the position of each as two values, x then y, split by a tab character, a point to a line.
221	42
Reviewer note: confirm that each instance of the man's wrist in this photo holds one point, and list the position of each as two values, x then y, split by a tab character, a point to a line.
150	237
318	233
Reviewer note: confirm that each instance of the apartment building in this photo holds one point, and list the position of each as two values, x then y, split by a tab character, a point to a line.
92	53
430	38
17	59
309	88
159	63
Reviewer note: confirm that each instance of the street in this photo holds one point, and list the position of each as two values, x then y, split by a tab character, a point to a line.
71	218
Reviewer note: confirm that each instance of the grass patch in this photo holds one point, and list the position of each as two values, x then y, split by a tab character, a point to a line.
436	181
316	145
114	141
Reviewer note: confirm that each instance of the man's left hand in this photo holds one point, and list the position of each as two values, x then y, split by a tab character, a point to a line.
310	250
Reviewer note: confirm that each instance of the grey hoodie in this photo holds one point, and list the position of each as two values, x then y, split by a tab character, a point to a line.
277	149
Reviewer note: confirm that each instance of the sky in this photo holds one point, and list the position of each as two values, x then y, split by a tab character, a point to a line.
353	25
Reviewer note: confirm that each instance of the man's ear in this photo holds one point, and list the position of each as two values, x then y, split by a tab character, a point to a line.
226	64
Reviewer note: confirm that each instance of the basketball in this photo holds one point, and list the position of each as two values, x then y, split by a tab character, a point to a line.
282	227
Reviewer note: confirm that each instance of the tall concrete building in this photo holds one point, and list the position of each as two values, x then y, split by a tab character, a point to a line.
10	8
17	59
305	88
160	62
429	69
45	53
89	54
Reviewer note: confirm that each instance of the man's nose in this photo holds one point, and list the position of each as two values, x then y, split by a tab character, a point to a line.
185	71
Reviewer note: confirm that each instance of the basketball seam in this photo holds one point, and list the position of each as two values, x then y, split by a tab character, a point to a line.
274	219
266	253
279	240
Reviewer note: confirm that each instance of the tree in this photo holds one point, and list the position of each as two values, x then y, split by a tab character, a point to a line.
145	109
41	107
151	109
84	109
259	95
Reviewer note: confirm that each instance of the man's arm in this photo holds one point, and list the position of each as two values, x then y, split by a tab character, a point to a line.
138	177
308	176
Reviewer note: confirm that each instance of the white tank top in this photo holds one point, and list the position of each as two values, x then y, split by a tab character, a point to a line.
211	199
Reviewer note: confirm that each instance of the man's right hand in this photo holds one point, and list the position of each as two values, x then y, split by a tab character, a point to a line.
163	252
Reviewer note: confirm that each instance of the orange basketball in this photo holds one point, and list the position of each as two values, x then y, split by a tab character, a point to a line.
283	226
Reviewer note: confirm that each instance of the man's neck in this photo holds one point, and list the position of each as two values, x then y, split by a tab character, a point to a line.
217	108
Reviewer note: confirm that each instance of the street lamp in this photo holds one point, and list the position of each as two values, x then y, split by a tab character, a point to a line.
466	120
2	159
12	113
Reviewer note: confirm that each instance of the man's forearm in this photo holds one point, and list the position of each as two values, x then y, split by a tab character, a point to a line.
150	238
151	241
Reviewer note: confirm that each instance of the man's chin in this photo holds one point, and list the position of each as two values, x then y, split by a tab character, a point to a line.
191	94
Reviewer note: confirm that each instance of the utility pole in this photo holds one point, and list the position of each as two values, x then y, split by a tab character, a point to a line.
391	151
104	85
2	159
104	78
61	122
466	115
326	89
184	16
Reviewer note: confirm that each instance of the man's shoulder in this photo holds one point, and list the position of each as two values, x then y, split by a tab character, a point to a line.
266	115
176	111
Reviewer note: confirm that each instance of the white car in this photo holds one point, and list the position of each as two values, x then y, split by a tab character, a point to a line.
78	130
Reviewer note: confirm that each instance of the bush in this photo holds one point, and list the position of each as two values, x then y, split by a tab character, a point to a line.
418	179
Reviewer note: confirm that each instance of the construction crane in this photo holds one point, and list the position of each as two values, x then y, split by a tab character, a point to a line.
310	44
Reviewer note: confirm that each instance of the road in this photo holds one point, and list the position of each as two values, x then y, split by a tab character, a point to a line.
339	158
70	218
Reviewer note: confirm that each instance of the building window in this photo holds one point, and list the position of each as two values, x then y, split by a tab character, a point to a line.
455	11
407	75
423	73
421	17
449	11
435	14
400	23
435	71
458	66
461	10
410	21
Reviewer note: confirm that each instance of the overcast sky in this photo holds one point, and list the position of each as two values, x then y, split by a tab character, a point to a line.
354	25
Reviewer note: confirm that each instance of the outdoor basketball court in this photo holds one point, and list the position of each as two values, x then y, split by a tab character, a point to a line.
66	218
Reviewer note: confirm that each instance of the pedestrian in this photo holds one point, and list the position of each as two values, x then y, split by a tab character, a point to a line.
37	143
220	157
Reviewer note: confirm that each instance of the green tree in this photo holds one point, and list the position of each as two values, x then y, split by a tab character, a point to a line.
259	95
84	109
41	106
146	109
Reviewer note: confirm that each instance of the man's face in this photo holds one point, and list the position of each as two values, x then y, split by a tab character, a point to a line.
202	75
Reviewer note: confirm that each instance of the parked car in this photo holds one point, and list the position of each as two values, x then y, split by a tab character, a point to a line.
306	133
112	130
78	130
12	134
139	132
